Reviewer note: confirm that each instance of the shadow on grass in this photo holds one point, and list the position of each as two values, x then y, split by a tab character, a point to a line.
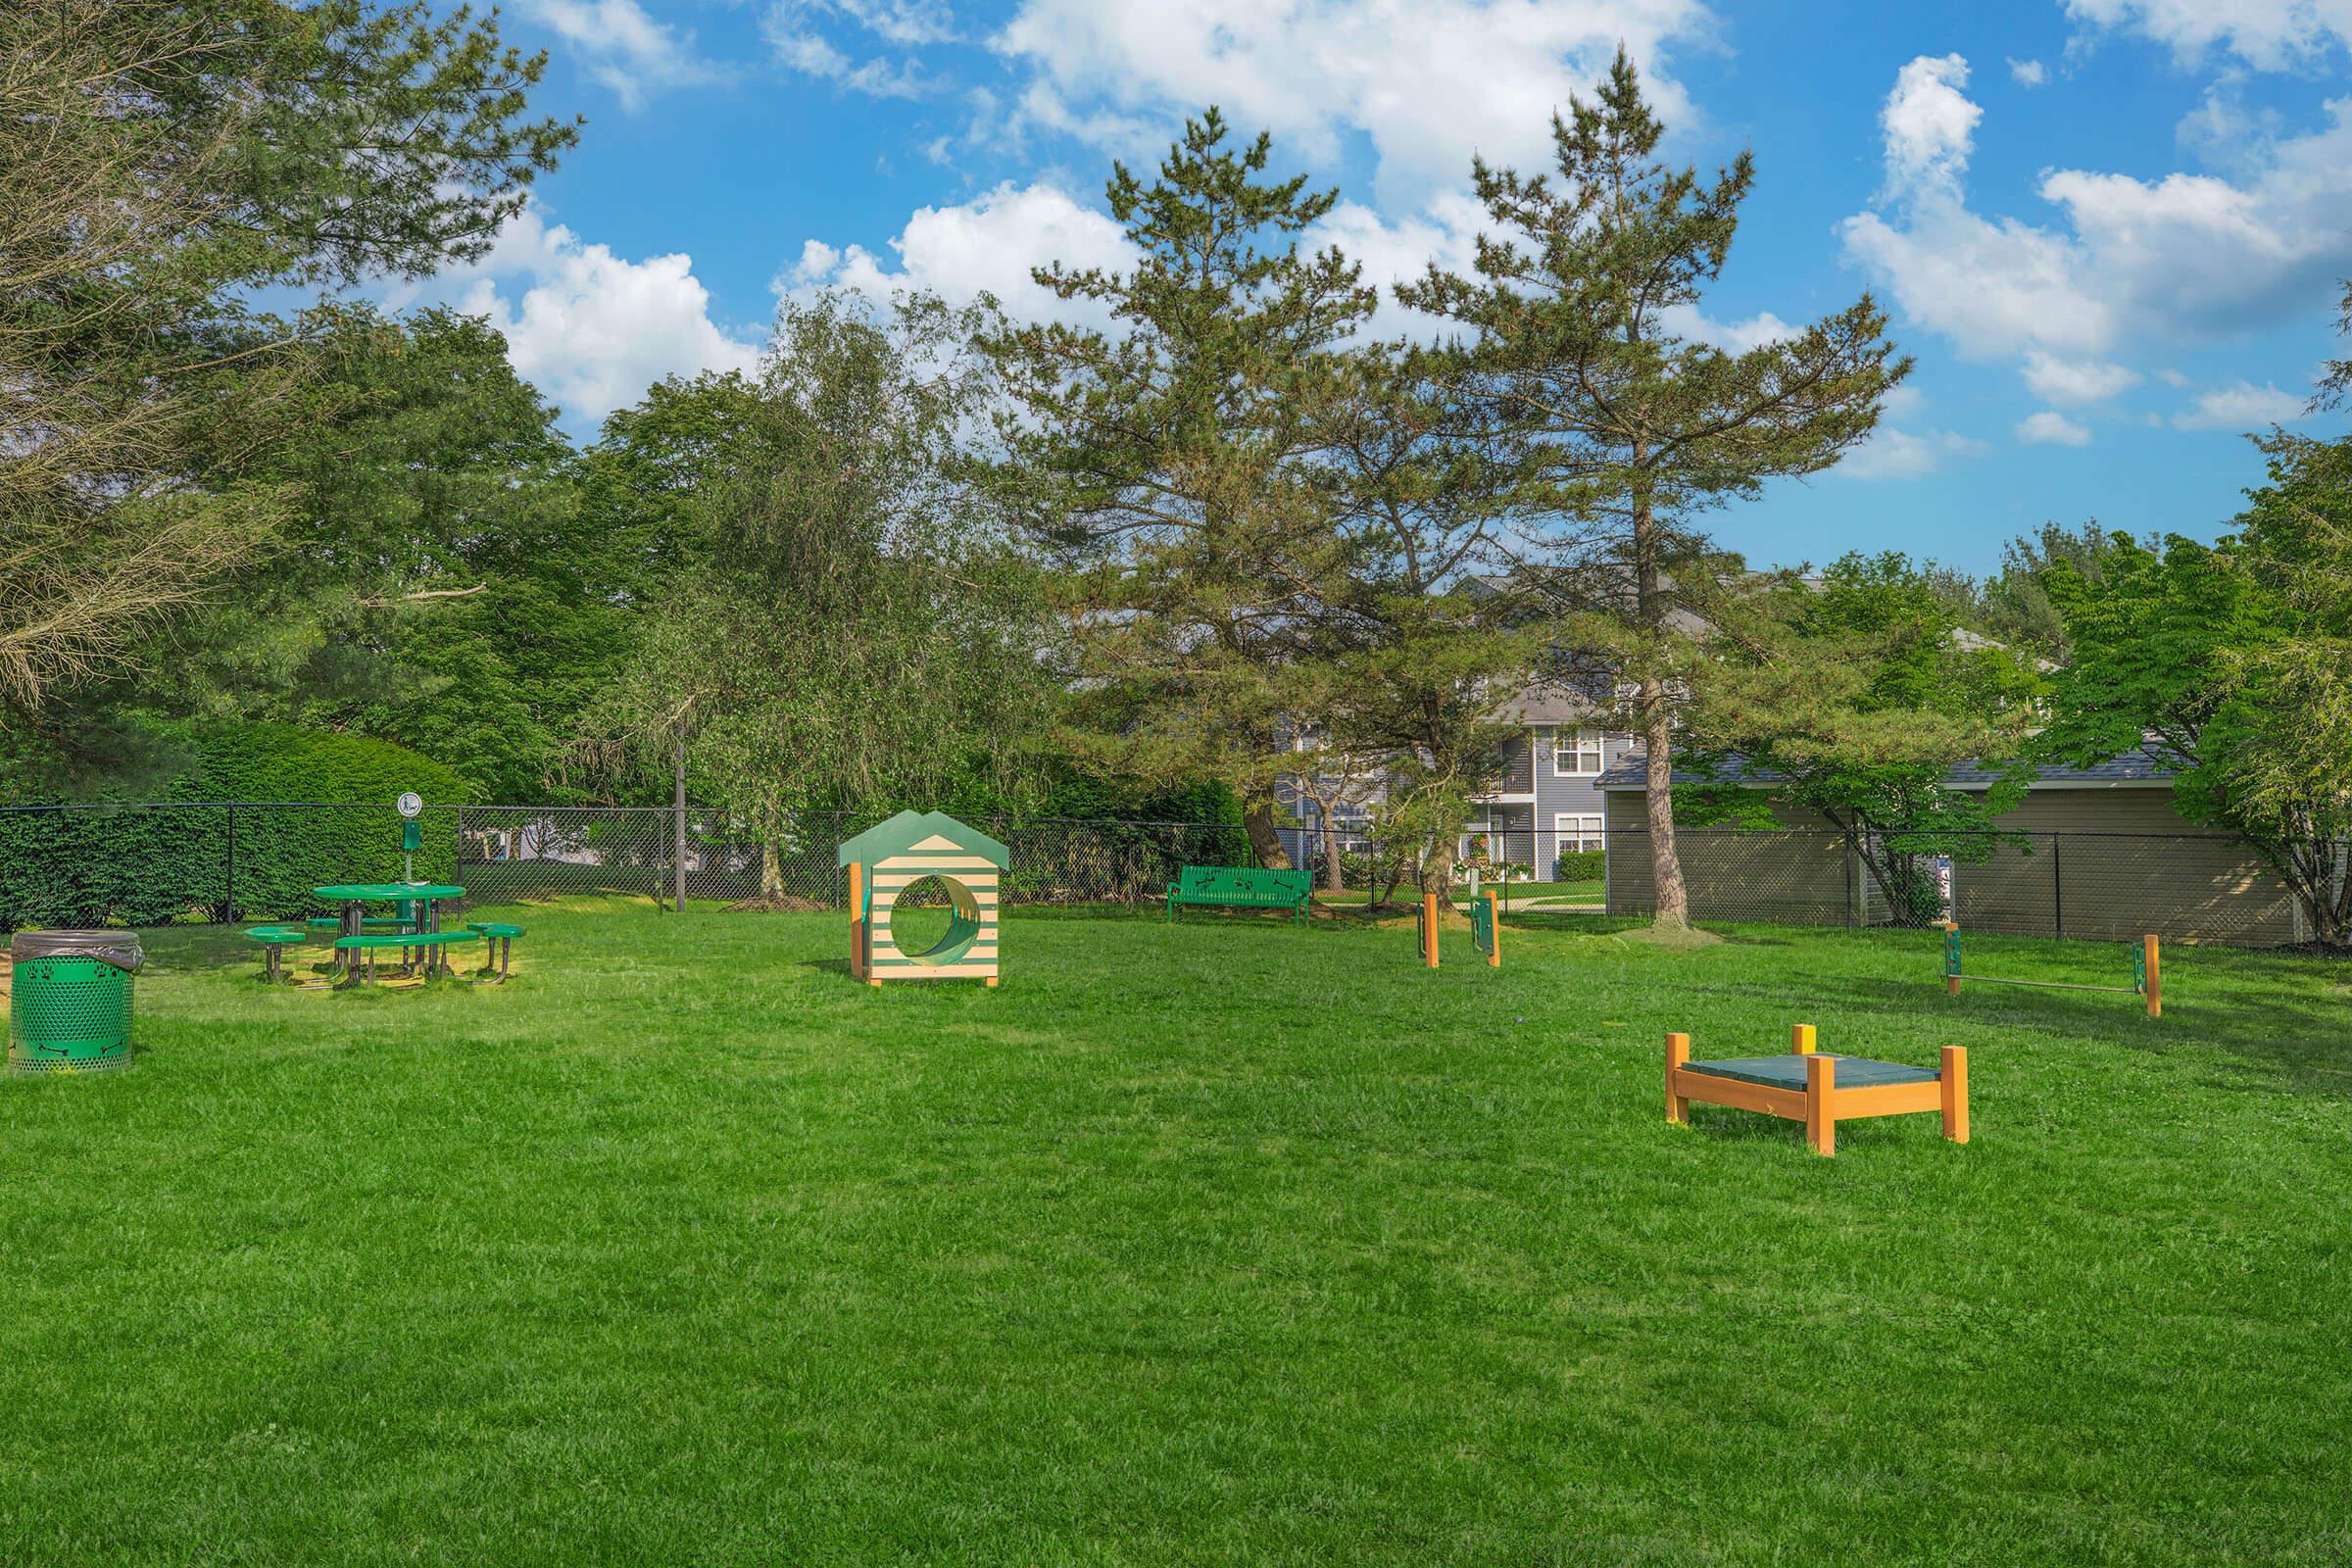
2294	1039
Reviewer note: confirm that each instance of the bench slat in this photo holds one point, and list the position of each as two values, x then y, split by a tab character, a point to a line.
430	938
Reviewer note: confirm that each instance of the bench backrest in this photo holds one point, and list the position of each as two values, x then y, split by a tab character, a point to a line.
1242	884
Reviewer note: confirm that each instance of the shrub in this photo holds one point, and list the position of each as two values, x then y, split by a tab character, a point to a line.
149	865
1577	865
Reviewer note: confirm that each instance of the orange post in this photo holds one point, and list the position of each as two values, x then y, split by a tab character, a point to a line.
1800	1039
1493	929
1429	929
1821	1116
2148	945
1678	1052
1955	1093
859	955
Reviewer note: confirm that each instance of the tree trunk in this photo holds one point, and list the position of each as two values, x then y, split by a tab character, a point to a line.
1334	879
1265	841
2321	885
1437	871
771	871
1658	800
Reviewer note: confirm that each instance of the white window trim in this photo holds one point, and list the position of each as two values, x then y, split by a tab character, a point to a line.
1560	832
1574	750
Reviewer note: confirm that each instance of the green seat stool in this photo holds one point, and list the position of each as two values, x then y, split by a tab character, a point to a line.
501	937
274	939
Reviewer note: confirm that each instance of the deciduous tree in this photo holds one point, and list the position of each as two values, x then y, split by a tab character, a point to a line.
1854	696
849	627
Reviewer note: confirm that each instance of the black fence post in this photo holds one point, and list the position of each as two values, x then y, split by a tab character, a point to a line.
229	904
2057	889
1852	918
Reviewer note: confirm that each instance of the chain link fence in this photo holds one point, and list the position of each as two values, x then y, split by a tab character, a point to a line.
224	861
2077	885
159	865
2083	886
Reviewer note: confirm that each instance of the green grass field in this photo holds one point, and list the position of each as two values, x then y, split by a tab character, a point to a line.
1231	1241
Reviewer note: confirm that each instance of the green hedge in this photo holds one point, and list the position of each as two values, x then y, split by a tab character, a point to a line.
1577	865
153	865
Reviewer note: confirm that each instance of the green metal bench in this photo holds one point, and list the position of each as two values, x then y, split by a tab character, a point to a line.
274	940
501	938
361	951
1239	887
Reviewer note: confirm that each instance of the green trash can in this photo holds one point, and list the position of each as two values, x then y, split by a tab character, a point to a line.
69	1003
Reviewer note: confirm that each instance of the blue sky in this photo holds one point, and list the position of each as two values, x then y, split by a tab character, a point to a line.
2110	231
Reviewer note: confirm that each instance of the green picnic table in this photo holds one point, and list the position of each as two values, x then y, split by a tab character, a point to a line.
354	897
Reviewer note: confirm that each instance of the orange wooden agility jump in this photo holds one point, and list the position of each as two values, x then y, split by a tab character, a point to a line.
2147	972
1819	1090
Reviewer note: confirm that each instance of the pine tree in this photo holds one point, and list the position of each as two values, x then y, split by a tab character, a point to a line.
1632	433
159	165
1175	462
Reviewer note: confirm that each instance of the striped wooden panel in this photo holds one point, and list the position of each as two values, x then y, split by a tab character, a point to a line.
881	920
930	864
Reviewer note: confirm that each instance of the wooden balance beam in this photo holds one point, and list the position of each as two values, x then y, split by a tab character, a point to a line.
1816	1088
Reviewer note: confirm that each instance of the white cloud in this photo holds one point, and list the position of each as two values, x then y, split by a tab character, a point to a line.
1428	81
989	243
2240	406
2052	428
2180	258
1400	252
905	23
628	50
1931	125
795	33
2267	34
1896	453
1732	337
2027	73
2075	381
590	328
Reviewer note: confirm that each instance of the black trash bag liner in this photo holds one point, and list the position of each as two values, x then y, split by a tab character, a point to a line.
117	948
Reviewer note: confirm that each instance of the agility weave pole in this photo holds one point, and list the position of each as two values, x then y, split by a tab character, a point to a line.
2147	973
1816	1088
1485	927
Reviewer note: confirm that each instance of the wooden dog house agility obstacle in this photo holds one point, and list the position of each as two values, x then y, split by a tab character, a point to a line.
912	847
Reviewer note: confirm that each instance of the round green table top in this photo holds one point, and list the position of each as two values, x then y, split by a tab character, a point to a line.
381	892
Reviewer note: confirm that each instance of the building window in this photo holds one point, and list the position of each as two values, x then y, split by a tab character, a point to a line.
1575	753
1576	831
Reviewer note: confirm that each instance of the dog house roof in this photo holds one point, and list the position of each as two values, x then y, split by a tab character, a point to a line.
914	831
